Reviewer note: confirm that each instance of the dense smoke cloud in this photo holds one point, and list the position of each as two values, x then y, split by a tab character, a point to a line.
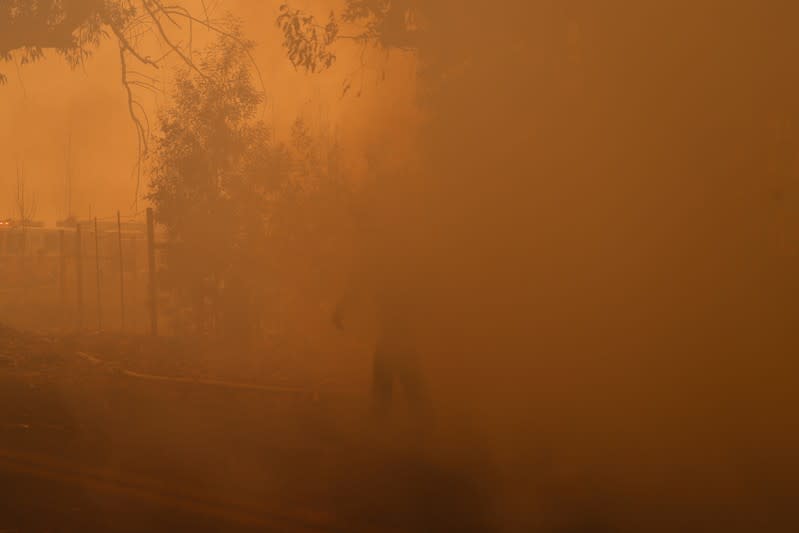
591	208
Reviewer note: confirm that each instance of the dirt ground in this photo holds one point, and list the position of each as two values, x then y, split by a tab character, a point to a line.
104	433
86	443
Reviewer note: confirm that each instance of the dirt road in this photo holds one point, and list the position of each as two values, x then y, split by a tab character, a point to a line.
86	445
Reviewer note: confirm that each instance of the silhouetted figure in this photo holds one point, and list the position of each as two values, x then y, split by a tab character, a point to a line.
396	358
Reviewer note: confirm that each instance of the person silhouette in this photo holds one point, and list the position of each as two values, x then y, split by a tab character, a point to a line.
395	358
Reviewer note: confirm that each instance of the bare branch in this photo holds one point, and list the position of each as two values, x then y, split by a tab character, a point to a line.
141	133
216	29
205	10
124	44
144	85
167	40
151	79
179	10
25	210
144	114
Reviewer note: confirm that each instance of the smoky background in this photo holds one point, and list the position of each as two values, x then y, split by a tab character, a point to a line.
590	208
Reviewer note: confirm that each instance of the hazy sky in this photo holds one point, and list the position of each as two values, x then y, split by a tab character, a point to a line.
42	103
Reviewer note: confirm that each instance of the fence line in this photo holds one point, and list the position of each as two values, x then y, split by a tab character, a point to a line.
43	276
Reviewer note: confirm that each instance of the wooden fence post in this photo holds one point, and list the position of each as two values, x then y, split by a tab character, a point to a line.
135	295
62	277
121	276
97	275
79	273
151	264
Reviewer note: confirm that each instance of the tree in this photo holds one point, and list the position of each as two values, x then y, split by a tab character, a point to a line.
213	170
25	208
308	235
73	28
68	27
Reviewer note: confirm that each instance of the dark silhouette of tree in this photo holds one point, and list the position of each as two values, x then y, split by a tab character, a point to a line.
73	28
213	170
309	43
69	26
26	207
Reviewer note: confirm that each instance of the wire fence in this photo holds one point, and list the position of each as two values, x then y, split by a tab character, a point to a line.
93	276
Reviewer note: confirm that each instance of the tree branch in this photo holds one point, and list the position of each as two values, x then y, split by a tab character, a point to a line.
167	40
123	43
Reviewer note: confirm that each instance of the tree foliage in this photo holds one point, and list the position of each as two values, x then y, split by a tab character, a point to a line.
69	27
254	227
214	169
309	43
73	28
